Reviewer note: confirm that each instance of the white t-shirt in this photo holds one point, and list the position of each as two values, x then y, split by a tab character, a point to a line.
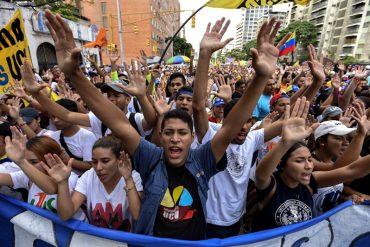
96	125
326	198
80	144
103	209
8	167
227	194
38	198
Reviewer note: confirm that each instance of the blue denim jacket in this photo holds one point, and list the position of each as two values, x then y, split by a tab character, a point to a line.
149	161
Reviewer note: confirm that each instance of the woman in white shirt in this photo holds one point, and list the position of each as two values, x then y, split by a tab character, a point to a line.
110	189
30	156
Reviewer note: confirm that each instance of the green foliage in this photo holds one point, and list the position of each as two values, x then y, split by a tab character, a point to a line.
180	46
306	33
237	54
349	60
66	10
247	47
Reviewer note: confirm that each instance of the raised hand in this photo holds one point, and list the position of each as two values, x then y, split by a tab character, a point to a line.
15	147
294	127
29	79
211	40
125	165
359	115
18	89
56	169
335	82
143	57
317	68
346	118
360	74
14	109
224	88
160	103
137	79
68	55
113	55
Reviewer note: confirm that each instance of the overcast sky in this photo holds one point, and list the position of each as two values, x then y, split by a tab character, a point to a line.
194	35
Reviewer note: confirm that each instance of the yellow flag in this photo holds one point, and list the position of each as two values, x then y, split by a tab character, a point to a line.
236	4
296	64
13	51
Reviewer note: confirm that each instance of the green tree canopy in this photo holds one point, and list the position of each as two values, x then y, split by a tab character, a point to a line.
247	48
237	54
66	10
180	46
349	60
306	33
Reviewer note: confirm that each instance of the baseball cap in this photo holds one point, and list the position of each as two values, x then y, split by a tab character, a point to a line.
367	67
113	86
331	111
278	96
28	114
217	102
332	127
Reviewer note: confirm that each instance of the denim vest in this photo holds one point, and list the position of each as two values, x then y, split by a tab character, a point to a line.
149	161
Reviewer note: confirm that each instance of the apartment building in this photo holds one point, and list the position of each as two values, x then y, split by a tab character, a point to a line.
145	24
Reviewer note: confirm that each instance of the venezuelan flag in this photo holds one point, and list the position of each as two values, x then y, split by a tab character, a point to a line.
236	4
288	47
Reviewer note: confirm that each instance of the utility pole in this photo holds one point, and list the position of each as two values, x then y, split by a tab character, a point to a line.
120	30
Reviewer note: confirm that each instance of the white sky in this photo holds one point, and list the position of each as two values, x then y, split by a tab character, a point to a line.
194	35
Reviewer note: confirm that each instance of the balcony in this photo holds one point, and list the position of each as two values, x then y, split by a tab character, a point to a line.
354	21
357	11
317	7
355	2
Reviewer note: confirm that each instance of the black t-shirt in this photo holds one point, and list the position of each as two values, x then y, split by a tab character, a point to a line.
287	205
180	214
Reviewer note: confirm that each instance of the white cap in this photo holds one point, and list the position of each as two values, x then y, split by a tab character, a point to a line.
332	127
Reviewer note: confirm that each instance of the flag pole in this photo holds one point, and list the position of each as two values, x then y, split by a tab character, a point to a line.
173	37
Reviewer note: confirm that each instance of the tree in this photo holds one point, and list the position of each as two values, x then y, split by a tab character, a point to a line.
349	60
180	46
306	33
66	10
247	48
237	54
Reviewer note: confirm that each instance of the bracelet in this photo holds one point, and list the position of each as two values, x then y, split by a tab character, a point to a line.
129	189
21	124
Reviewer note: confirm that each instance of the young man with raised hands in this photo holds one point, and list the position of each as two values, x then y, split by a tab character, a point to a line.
228	189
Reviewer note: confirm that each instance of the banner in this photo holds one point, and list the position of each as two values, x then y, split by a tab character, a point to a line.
22	224
237	4
13	50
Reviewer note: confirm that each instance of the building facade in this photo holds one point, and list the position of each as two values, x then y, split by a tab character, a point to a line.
145	24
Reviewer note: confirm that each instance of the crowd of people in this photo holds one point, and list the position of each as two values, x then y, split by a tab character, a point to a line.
187	152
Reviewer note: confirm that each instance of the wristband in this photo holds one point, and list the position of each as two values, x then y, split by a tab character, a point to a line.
129	189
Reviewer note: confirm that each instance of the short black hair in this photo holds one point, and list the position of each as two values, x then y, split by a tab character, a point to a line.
228	106
176	75
239	83
178	114
70	105
5	129
186	89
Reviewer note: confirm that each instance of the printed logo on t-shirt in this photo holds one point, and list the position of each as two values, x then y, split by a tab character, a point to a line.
109	217
177	207
235	164
43	202
292	211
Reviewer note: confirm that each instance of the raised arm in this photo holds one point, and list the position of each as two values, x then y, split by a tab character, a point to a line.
15	149
60	173
50	106
264	62
68	61
317	71
210	43
293	131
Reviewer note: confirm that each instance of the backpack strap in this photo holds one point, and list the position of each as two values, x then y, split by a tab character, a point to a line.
136	105
103	129
132	121
64	145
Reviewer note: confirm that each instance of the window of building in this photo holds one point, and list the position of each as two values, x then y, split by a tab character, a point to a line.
366	24
103	8
105	21
368	13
